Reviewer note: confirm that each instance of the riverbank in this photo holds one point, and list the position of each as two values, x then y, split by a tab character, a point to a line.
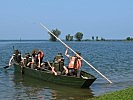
126	94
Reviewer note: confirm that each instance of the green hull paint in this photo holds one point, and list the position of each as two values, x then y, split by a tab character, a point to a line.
62	80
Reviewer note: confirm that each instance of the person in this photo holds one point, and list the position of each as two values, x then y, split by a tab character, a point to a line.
45	66
27	60
58	66
74	64
37	57
16	57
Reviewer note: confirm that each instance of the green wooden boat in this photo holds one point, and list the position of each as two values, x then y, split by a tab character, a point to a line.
84	82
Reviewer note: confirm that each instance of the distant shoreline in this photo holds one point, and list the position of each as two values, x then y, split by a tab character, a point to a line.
70	41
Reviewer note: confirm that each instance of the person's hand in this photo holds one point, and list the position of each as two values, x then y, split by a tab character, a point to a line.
10	64
67	47
55	73
66	72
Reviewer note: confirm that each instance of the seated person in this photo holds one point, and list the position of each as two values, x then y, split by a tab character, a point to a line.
45	66
37	57
58	65
27	60
16	57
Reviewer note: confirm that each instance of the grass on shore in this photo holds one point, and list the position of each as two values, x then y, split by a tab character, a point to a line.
126	94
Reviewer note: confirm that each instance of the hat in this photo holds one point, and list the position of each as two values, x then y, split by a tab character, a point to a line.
59	56
16	51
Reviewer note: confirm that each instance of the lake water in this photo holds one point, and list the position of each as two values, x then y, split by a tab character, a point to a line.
112	59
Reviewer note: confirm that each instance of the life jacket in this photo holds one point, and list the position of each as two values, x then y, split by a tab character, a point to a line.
27	60
58	65
78	64
17	56
41	54
38	55
74	63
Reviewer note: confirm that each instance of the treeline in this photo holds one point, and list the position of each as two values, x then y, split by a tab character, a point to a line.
78	36
129	39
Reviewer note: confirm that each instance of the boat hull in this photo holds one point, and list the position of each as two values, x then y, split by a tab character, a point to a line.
59	79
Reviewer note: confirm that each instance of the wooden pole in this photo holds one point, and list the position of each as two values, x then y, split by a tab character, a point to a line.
76	53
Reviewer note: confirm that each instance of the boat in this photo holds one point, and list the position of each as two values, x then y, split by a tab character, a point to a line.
84	81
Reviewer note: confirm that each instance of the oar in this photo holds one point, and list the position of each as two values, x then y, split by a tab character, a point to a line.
49	64
76	53
52	68
5	67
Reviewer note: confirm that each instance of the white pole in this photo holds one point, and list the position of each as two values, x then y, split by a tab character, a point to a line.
76	53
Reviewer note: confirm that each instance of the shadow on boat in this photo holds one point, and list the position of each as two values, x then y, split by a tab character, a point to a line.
30	88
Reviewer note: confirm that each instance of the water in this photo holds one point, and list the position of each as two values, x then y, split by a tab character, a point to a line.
113	59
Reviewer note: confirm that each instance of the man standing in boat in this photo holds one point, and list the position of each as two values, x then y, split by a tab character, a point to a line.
74	64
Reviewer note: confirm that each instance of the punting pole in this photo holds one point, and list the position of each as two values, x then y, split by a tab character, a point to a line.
76	53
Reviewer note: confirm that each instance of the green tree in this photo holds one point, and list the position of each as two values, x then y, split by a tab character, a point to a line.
69	37
97	38
93	38
78	36
56	32
128	38
102	39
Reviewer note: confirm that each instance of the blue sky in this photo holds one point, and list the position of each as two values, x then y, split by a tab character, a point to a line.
110	19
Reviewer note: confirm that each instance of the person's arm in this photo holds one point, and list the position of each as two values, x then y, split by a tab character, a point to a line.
52	68
79	62
55	73
33	60
22	61
10	61
66	53
66	70
39	65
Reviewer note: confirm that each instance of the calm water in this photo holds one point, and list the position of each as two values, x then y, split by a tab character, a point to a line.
113	59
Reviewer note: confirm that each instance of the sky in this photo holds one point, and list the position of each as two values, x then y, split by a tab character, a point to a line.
110	19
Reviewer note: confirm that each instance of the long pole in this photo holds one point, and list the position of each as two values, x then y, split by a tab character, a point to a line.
76	53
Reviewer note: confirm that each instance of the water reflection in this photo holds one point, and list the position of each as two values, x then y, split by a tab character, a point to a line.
29	88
